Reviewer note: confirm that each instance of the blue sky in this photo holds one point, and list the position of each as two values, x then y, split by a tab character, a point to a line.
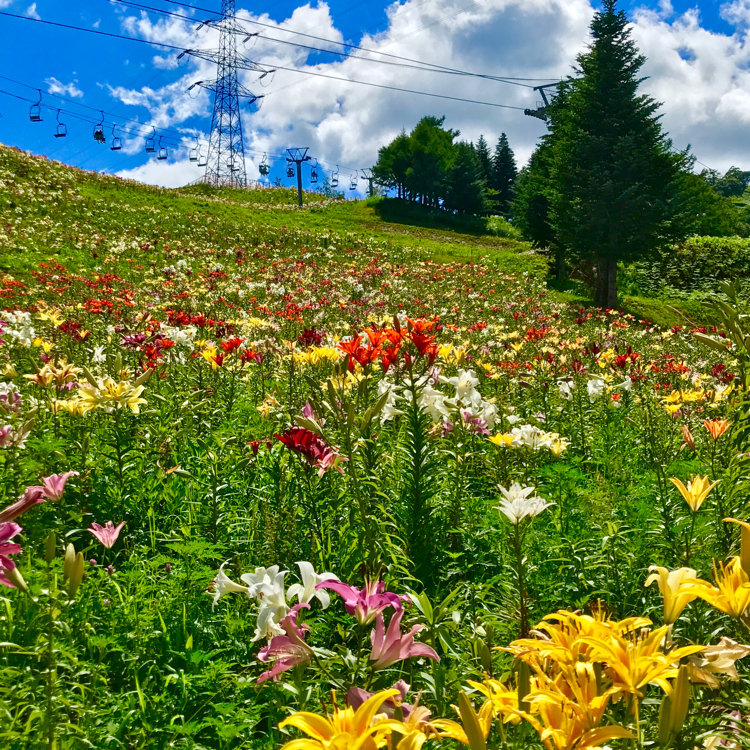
343	123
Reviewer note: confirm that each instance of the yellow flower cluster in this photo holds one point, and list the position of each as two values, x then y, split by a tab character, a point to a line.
105	394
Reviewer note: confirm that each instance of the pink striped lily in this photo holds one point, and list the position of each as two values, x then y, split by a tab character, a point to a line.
290	649
366	603
390	646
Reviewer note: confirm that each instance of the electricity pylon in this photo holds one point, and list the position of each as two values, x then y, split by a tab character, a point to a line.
226	149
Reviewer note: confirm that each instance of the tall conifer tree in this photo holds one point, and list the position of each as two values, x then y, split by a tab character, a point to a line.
504	173
615	183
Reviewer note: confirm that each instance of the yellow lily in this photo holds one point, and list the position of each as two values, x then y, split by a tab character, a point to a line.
732	591
636	662
744	543
474	727
363	729
503	440
504	700
672	586
563	724
696	491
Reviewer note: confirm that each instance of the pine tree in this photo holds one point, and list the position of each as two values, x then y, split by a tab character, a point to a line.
615	183
466	187
503	176
485	160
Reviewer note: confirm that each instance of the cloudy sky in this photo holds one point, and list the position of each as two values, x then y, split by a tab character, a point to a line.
698	55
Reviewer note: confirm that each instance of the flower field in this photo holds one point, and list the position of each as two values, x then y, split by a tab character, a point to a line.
273	486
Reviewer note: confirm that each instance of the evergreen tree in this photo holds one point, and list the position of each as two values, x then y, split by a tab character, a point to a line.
615	184
503	176
393	163
485	160
431	158
465	190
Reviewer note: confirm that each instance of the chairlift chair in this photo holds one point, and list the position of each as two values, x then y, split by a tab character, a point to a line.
116	141
290	171
353	183
99	130
162	151
202	160
195	151
263	167
314	174
335	178
62	128
35	110
151	142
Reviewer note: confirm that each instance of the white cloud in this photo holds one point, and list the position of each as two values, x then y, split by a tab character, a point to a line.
58	87
6	3
32	13
166	174
701	76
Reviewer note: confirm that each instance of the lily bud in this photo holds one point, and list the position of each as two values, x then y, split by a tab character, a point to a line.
680	700
664	735
15	577
523	680
76	575
50	546
69	560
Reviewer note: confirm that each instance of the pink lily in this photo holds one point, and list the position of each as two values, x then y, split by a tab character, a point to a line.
55	484
106	534
290	649
31	496
7	532
389	646
366	603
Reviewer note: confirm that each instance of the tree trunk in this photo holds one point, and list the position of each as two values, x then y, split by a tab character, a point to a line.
612	283
605	294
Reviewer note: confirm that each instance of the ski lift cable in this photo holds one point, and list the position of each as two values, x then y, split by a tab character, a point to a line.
433	66
415	65
279	67
177	137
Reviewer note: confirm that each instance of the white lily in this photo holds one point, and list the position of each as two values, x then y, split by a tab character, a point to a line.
520	502
306	591
223	584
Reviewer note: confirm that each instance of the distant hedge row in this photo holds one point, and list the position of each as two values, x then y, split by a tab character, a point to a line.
695	265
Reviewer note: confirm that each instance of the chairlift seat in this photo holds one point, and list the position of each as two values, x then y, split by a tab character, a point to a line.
62	130
35	113
193	154
162	154
116	144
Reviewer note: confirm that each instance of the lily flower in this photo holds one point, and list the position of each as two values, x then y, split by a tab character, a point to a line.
366	603
519	503
31	496
306	591
223	584
672	586
732	591
267	585
106	534
7	532
289	649
719	659
716	427
363	729
390	646
696	491
54	485
744	543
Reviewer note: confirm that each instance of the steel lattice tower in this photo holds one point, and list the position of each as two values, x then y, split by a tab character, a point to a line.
226	148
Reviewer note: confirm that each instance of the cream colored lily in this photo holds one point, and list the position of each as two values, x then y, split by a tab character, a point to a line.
672	584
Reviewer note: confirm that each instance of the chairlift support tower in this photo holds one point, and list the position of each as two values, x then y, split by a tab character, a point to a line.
367	175
298	156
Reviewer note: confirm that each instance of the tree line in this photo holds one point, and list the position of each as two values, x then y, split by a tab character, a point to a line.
604	186
428	166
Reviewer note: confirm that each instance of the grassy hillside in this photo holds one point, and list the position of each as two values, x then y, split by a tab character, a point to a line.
51	210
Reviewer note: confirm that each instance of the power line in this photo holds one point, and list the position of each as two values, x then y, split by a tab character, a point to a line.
426	67
433	66
278	67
